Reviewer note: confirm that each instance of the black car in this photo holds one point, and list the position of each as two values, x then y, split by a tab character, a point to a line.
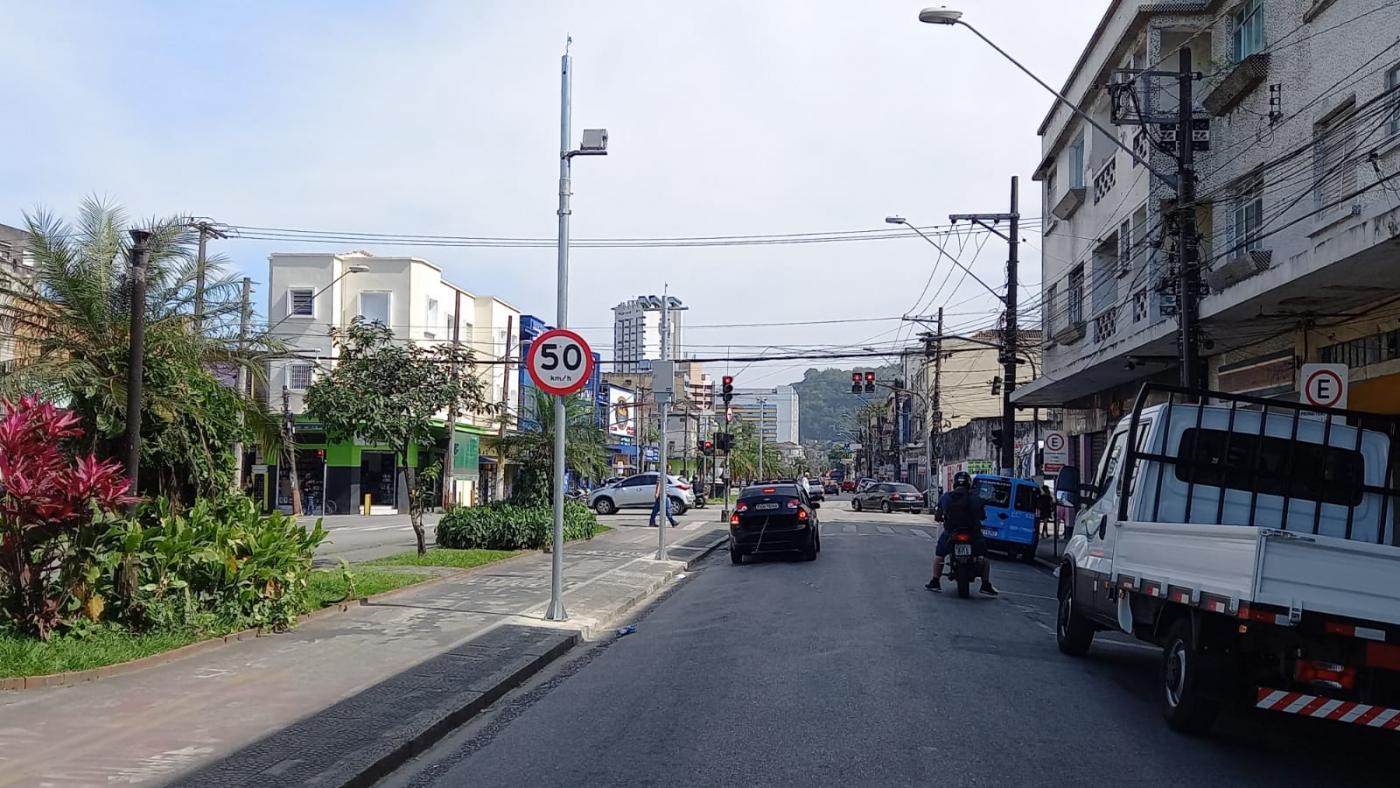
889	497
774	518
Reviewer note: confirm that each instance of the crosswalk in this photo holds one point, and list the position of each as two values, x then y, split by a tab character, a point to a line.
870	529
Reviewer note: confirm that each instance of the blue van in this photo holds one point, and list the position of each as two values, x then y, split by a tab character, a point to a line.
1011	513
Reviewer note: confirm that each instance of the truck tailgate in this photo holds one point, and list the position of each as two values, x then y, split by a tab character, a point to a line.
1211	559
1327	575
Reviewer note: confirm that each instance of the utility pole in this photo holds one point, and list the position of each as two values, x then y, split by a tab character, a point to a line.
289	449
206	229
245	317
449	493
499	482
662	391
136	355
1188	274
762	403
1008	412
1009	337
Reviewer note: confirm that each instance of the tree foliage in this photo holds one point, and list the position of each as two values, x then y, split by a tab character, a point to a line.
828	404
388	393
585	448
70	322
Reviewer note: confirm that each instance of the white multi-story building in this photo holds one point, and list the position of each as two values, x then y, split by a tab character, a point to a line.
773	412
16	261
309	294
637	335
1297	142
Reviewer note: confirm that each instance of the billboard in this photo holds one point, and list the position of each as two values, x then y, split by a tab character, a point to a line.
622	413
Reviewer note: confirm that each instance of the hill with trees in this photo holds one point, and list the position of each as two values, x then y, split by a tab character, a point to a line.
826	405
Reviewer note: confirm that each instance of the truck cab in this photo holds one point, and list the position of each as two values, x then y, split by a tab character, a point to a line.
1252	540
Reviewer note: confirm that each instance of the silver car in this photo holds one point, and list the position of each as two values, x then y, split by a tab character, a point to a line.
638	492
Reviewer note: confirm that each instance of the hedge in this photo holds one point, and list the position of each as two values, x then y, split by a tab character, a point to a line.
502	525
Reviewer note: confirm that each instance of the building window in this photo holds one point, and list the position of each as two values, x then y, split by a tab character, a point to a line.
299	377
301	302
1334	143
374	307
1049	197
1248	29
451	324
1048	309
430	318
1125	246
1076	295
1392	89
1247	219
1076	162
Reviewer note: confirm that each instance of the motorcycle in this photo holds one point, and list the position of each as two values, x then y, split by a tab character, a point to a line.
699	499
963	564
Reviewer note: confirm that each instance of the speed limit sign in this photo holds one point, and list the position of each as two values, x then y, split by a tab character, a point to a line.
560	362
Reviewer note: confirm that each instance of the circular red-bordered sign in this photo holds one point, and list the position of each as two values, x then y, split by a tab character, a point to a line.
560	361
1323	388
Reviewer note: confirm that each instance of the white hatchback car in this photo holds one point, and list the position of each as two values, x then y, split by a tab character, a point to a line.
639	492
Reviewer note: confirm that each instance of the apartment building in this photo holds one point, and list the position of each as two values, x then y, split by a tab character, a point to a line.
637	334
311	293
1295	138
15	261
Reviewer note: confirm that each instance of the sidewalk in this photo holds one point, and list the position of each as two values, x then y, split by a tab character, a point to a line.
341	699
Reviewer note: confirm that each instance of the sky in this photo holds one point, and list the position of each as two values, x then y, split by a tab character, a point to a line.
729	117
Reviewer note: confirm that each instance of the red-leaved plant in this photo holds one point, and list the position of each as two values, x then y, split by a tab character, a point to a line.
47	495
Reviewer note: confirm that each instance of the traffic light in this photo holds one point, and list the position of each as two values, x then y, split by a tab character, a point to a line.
996	439
723	441
727	388
996	385
870	382
855	382
707	448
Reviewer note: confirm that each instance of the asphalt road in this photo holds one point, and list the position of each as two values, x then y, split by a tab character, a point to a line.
847	672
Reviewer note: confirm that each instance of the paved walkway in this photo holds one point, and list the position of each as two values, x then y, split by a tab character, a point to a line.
341	696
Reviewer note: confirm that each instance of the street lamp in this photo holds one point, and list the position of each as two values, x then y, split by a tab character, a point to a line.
949	17
958	263
595	143
665	304
353	268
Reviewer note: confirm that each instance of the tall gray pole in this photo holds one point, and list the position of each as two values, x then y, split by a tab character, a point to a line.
761	403
201	262
556	578
663	395
136	356
1008	384
245	316
1188	275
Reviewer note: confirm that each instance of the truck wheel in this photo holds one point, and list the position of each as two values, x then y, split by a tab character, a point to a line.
1073	632
1185	704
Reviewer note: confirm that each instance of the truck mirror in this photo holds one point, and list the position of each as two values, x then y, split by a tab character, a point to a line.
1067	487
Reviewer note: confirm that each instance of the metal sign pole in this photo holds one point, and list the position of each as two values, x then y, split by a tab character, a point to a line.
556	610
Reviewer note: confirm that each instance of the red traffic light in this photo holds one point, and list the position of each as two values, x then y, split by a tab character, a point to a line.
727	380
870	376
855	377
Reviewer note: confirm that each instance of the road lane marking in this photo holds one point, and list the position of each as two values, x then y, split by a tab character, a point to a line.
884	529
849	529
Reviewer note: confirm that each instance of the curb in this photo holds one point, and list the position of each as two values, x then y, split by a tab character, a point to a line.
15	683
425	739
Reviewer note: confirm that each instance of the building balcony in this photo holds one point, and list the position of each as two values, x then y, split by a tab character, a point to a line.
1238	267
1234	86
1068	203
1071	333
1105	179
1106	324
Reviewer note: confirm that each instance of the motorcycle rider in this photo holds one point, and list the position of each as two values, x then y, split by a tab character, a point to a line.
961	510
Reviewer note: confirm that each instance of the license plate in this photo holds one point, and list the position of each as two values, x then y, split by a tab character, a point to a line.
962	549
764	506
990	533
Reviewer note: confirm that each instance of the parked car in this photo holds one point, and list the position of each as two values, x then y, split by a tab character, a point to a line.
889	497
864	483
816	491
848	485
774	518
639	492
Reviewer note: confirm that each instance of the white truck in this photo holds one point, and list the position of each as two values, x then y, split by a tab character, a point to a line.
1256	542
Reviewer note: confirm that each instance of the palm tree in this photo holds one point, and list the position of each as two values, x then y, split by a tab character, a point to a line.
585	449
70	326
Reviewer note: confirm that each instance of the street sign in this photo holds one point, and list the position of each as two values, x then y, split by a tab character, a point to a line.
1056	452
1324	384
560	362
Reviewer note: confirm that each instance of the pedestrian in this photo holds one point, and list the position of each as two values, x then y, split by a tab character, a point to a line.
662	499
1045	508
